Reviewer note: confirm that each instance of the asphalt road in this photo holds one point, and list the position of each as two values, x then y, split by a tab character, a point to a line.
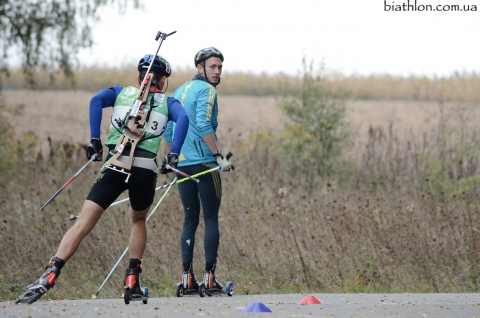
333	305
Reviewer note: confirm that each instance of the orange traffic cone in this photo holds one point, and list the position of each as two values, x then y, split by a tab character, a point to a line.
309	300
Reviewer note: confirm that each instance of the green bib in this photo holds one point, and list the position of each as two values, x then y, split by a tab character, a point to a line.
155	126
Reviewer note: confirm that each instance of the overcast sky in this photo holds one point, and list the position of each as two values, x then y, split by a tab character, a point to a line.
349	36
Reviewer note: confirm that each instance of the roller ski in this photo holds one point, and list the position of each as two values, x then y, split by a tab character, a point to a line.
211	286
36	290
133	289
189	285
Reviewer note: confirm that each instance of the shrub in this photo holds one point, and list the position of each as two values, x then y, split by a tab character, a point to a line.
8	147
317	131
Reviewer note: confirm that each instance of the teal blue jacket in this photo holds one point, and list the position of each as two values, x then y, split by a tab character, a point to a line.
200	101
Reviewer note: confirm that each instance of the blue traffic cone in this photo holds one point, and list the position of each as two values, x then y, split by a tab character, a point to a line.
256	307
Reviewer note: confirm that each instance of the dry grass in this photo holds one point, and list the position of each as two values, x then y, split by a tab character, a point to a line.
384	223
455	88
63	115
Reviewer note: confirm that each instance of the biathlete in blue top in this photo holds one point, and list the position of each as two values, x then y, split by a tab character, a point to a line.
109	184
200	152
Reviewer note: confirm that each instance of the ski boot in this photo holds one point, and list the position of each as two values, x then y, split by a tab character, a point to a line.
36	290
189	284
133	289
210	285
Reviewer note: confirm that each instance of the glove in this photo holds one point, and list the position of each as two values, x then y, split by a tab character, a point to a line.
172	160
223	162
95	147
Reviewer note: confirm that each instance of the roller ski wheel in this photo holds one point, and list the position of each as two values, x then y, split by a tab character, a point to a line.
188	279
145	295
36	290
31	296
180	291
202	290
228	290
214	286
126	296
133	289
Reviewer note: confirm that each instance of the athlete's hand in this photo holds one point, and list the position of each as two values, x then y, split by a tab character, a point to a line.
223	162
172	160
95	147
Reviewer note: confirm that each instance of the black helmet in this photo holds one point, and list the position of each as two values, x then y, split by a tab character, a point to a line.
204	54
160	65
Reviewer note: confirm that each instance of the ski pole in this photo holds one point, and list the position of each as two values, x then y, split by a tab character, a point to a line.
69	181
229	155
158	188
182	173
125	252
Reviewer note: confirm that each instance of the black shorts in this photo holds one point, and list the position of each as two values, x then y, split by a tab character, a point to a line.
110	184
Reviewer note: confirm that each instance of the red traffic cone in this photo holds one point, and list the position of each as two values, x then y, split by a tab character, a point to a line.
309	300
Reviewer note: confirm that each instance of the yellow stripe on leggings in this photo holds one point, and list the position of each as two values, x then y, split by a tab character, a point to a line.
218	187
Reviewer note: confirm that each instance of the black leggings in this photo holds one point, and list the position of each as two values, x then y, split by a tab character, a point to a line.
208	192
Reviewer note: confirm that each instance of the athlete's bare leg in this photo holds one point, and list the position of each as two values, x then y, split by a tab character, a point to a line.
138	234
91	213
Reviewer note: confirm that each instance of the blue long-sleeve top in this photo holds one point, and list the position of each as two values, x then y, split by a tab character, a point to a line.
200	101
106	98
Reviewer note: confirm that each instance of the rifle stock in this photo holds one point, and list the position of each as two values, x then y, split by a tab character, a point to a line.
133	128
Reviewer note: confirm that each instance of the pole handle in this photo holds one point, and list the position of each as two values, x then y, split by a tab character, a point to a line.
163	35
